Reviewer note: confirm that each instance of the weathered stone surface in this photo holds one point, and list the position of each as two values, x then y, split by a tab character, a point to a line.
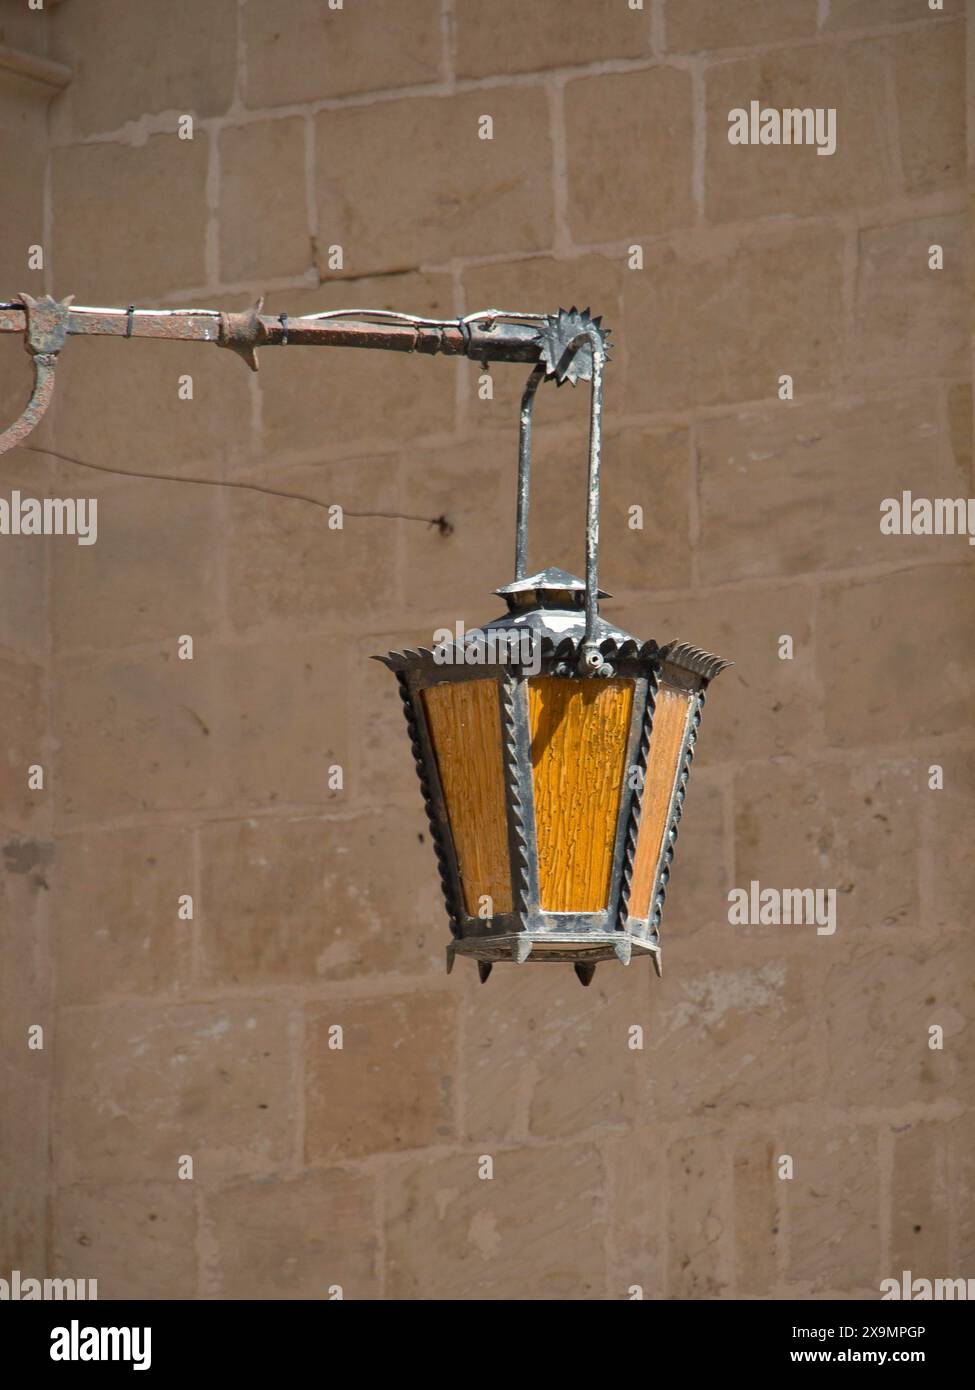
881	1005
947	872
152	573
929	81
619	123
139	1240
166	180
26	744
961	1160
291	564
699	1236
139	1088
24	560
636	1167
910	318
854	14
446	578
833	1208
781	470
511	37
254	158
125	62
25	1140
301	51
26	863
136	733
919	1237
745	181
831	827
283	724
535	1230
706	322
116	906
150	423
392	1085
733	1030
693	25
871	632
300	1237
757	1208
332	920
23	149
520	1037
442	216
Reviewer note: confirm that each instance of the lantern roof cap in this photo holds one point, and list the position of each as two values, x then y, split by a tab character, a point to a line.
548	582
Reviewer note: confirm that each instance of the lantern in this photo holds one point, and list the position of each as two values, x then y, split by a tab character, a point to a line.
553	749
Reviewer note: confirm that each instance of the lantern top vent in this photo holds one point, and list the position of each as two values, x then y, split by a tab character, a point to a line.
549	588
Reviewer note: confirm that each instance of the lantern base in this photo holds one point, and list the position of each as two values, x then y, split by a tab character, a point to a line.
582	948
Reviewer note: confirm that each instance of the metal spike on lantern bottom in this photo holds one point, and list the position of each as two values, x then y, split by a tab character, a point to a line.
584	971
522	949
624	950
484	968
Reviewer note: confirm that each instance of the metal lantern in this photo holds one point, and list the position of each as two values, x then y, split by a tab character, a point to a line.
553	749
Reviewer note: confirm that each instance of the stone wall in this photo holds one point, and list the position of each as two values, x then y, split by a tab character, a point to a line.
358	128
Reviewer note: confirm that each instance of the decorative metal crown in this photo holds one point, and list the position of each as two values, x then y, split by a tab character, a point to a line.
563	360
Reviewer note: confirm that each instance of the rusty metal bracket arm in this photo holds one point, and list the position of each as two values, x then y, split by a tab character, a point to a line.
490	335
46	326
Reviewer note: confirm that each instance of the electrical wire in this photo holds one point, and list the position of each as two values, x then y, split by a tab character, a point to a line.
442	524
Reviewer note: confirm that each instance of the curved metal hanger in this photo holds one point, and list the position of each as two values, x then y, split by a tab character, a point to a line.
591	657
47	326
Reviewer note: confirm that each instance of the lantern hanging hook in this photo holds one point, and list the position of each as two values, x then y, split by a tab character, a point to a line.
46	330
562	342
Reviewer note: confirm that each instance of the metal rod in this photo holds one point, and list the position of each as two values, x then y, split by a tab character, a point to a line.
524	468
490	335
483	337
591	655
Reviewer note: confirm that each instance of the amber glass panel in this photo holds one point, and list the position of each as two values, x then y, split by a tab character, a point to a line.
464	722
579	731
666	741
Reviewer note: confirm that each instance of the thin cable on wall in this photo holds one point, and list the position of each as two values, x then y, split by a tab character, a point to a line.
442	524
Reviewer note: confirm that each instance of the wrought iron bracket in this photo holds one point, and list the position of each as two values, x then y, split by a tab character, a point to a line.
568	345
46	327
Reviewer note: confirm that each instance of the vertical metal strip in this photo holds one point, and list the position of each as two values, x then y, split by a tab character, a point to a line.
433	802
521	771
517	836
676	811
524	469
636	803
